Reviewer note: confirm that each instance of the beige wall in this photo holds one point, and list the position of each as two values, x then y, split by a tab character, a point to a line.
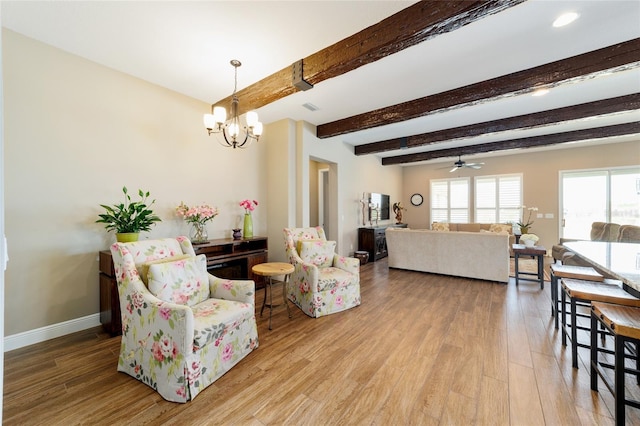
75	133
540	172
294	148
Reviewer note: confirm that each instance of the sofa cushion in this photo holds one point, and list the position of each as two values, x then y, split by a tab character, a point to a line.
213	318
320	253
472	227
501	228
439	226
182	281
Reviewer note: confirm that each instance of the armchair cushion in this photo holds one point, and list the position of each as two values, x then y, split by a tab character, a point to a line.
213	318
331	278
143	269
181	281
299	244
319	253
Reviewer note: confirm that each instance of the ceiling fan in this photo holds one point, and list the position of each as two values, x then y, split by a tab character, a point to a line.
460	164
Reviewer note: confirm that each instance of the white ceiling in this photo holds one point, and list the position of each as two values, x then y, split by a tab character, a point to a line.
186	47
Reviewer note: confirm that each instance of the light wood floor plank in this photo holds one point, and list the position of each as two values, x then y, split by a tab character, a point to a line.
493	402
422	349
524	399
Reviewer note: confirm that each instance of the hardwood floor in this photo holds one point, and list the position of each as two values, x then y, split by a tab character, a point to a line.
422	349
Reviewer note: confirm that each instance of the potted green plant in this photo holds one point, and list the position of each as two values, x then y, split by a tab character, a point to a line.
130	218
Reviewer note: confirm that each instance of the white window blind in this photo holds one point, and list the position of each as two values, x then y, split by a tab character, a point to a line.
498	199
450	200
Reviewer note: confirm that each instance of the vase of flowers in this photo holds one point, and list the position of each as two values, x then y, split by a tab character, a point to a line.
197	216
525	226
248	206
529	240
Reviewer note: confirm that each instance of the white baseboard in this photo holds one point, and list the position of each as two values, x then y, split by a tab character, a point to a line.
42	334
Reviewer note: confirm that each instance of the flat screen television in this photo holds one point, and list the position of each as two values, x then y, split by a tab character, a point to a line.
379	208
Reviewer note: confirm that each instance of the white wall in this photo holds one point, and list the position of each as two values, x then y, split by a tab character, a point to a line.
75	133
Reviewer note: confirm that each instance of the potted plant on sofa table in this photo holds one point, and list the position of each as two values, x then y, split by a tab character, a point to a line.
130	218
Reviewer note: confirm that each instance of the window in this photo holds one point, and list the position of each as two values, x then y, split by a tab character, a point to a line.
498	199
614	196
450	200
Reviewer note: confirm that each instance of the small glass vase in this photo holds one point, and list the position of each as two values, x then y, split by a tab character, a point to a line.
198	233
247	231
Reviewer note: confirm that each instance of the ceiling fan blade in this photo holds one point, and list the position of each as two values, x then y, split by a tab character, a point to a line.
454	169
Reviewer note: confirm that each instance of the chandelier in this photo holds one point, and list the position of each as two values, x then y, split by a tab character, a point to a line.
234	135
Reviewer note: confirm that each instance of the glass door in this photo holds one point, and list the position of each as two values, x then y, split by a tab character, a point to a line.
598	196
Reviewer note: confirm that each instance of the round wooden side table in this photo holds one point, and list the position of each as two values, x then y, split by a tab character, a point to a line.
271	270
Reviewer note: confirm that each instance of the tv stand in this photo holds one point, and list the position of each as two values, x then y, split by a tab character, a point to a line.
373	240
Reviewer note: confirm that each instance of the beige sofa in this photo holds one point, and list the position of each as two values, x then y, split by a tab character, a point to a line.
481	255
478	227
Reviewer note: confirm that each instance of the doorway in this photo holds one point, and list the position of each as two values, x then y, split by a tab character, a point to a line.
323	200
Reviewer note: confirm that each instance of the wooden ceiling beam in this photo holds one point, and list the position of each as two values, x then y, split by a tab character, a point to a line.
529	142
413	25
552	73
543	118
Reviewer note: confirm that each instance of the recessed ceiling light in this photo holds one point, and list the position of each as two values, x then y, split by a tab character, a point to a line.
565	19
540	92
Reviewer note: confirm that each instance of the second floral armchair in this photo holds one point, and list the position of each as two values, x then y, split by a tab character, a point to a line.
323	282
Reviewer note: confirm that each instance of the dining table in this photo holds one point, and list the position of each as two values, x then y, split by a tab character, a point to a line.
620	261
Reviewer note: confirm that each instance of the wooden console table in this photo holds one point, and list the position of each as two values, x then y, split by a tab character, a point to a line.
373	240
226	258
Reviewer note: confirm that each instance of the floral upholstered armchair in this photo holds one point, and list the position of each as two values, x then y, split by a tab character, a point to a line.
182	328
323	282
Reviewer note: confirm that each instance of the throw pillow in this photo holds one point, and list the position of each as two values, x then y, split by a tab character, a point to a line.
143	269
183	281
439	226
320	253
501	228
300	242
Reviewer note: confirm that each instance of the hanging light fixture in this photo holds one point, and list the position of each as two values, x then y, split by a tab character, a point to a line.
234	135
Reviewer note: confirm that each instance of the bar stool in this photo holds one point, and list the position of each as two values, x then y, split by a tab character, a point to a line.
558	270
623	323
609	291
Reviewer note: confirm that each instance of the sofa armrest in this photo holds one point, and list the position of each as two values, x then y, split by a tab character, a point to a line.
236	290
